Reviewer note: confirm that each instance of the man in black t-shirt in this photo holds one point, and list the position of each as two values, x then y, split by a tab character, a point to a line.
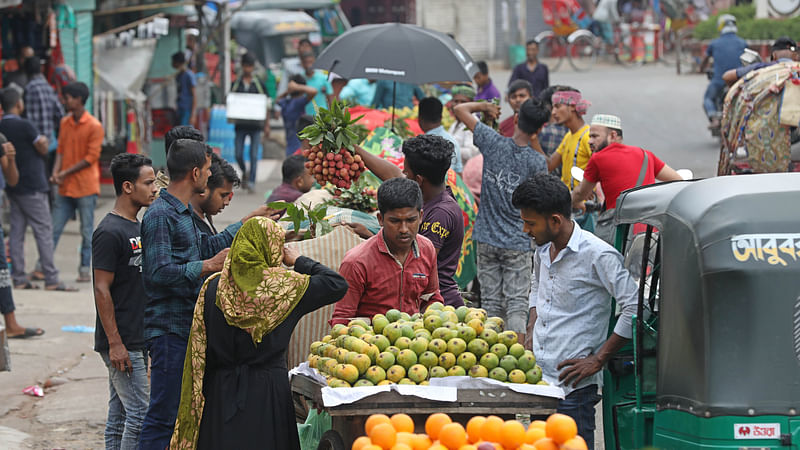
218	194
29	199
120	299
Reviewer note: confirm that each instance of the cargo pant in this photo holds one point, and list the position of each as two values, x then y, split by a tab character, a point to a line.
505	279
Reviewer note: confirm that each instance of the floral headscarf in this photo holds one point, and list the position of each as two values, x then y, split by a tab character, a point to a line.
255	294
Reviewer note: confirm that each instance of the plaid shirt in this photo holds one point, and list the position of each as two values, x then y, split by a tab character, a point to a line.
550	137
42	106
172	261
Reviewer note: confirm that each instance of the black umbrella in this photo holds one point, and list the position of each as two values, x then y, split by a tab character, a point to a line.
397	52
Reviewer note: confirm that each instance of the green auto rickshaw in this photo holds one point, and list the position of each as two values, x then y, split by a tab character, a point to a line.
714	362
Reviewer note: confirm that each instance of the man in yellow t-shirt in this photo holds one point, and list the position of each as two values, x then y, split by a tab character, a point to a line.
568	110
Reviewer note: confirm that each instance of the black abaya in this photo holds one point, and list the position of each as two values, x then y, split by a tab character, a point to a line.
246	386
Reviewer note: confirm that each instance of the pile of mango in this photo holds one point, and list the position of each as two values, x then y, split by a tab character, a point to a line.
403	349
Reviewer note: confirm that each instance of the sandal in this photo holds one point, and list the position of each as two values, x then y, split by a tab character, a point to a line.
26	285
84	278
28	333
37	275
61	287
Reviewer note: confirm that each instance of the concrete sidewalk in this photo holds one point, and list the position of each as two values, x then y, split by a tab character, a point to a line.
72	414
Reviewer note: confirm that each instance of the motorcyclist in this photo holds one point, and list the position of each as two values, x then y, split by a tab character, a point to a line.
725	50
784	49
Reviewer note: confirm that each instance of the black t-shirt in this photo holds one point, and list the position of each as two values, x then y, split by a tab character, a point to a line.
255	87
117	248
23	133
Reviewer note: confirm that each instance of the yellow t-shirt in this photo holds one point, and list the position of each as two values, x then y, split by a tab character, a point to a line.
567	151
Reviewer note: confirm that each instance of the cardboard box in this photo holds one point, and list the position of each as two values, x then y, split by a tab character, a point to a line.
248	109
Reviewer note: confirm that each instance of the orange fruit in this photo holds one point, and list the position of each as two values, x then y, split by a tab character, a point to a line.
526	447
403	422
538	424
576	443
534	434
474	428
561	428
374	420
545	444
468	447
361	443
437	446
404	437
420	441
372	447
512	434
401	446
491	429
435	423
453	436
383	435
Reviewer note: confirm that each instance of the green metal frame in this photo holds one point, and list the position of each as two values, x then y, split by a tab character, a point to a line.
630	378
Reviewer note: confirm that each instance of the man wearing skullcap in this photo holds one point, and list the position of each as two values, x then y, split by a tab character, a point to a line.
568	110
617	166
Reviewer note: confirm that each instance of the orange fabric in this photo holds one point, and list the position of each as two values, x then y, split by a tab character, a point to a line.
76	142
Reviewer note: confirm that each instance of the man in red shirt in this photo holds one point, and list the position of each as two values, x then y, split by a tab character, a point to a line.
616	166
396	268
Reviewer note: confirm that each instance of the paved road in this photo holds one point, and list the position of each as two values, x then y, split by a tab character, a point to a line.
660	111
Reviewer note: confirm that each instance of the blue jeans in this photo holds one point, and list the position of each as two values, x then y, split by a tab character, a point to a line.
63	209
184	114
167	353
713	91
255	141
579	405
127	403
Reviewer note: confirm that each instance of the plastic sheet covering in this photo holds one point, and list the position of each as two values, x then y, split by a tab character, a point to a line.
123	69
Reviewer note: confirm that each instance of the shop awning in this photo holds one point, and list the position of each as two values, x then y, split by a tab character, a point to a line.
123	69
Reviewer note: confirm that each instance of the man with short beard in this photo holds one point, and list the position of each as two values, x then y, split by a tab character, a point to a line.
615	165
575	275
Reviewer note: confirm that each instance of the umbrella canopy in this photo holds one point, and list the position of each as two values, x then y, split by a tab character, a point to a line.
397	52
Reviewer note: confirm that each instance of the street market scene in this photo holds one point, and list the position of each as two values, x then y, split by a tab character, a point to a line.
399	224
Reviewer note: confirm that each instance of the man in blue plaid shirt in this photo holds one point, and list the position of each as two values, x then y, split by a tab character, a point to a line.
176	259
41	102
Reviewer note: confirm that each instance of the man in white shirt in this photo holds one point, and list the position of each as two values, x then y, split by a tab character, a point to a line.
575	274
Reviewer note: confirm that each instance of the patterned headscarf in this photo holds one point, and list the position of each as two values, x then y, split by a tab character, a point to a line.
463	89
255	294
572	98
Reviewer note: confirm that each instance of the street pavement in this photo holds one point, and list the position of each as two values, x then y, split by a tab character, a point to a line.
660	111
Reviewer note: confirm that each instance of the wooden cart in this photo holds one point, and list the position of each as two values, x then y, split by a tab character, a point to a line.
348	420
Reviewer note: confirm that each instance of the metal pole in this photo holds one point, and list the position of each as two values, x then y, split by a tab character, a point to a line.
226	49
394	92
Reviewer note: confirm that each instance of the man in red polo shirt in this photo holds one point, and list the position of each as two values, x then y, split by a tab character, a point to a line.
396	268
615	165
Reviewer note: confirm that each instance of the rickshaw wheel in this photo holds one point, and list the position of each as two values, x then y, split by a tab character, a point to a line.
331	440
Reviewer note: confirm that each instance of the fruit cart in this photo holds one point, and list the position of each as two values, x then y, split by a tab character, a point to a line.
715	357
348	419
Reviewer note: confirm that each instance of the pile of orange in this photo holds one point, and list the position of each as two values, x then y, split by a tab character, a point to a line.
559	432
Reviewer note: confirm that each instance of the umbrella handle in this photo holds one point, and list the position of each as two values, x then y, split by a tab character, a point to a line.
394	92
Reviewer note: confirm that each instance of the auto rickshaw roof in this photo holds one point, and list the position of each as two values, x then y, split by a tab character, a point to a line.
273	22
715	207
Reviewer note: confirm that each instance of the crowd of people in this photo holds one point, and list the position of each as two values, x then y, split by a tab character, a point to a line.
51	149
193	322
